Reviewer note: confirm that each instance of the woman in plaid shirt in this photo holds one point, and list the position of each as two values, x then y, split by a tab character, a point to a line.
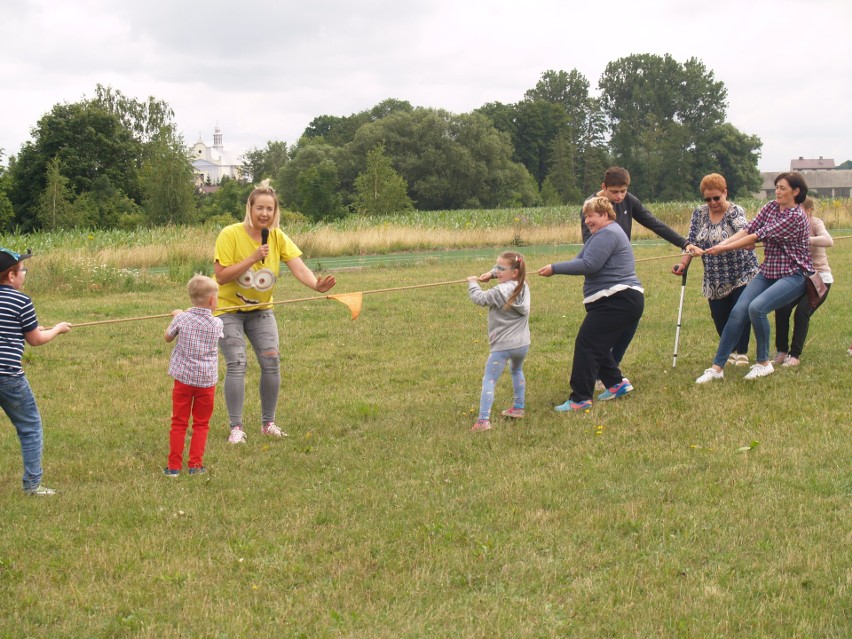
783	228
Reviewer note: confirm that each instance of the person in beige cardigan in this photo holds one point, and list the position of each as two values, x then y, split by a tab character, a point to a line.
820	239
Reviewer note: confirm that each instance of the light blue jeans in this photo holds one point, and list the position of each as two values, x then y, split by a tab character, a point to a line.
17	400
494	367
261	330
760	297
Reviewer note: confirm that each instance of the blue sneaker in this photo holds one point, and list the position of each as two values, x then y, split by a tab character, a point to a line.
171	472
619	390
571	405
199	470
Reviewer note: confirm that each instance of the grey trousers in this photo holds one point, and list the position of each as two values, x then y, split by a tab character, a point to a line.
261	330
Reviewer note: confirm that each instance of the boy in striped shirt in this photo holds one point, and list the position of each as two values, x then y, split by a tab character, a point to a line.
18	324
195	366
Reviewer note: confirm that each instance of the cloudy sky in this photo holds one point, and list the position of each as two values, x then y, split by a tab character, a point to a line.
263	69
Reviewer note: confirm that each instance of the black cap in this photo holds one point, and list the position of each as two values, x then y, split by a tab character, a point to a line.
8	258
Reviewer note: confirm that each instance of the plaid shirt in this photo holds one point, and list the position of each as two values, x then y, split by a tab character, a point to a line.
785	236
194	359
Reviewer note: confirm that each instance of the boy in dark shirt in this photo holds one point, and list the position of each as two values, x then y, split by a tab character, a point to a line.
628	207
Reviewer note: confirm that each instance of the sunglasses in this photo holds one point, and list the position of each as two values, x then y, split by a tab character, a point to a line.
715	198
498	267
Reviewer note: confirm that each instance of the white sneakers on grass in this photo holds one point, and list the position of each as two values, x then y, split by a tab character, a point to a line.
709	375
758	370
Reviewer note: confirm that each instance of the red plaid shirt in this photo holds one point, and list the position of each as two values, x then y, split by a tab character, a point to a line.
194	359
785	236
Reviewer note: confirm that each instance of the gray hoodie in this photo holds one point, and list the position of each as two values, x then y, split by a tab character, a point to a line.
507	329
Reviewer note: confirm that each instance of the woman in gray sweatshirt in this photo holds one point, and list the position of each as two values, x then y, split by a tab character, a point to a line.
614	301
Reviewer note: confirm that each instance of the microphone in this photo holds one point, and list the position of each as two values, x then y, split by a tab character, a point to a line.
264	235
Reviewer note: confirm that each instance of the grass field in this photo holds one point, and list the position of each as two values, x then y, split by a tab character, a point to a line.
678	511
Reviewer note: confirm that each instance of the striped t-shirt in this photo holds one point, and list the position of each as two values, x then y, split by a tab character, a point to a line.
17	316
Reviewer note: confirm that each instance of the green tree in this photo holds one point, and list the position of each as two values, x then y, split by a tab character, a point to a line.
144	120
106	206
733	154
338	131
650	99
167	182
310	183
379	189
562	176
7	213
449	161
228	201
89	142
56	206
537	123
266	163
317	189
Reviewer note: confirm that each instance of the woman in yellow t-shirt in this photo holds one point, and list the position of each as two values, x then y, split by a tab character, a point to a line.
247	268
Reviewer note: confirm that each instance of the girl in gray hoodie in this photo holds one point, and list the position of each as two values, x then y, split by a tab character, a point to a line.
508	331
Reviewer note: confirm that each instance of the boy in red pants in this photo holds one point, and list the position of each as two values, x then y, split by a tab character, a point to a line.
195	366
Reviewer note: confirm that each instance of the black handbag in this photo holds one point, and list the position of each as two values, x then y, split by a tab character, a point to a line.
816	289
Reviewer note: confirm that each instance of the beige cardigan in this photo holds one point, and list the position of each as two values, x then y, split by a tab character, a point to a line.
820	239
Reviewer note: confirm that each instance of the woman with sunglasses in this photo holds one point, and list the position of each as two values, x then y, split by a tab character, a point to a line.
784	229
725	275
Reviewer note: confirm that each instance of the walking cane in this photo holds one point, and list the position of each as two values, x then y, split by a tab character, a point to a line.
679	316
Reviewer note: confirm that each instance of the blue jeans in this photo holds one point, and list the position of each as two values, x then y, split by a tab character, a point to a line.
494	367
760	297
261	329
720	311
18	402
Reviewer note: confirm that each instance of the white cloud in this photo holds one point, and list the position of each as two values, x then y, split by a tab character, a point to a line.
263	69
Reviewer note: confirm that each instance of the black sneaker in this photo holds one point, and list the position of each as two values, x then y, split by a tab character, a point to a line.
200	470
171	472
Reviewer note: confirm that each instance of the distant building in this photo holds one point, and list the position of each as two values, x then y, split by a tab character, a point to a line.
803	164
836	183
212	163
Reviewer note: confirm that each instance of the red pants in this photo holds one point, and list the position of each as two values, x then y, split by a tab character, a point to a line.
199	402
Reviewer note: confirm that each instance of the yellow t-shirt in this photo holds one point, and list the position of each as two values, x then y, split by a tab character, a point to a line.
255	285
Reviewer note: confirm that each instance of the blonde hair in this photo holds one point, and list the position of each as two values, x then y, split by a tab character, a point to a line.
200	288
599	205
516	260
809	204
262	189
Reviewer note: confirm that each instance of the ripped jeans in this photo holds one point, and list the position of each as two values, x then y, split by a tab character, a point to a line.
261	330
494	367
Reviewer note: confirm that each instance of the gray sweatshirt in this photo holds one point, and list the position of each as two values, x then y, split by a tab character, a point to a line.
606	260
507	329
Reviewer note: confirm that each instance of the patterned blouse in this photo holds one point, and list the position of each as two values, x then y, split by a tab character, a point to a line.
727	271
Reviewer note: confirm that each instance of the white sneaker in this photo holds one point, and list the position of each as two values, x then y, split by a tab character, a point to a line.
269	428
758	370
709	375
237	436
40	490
